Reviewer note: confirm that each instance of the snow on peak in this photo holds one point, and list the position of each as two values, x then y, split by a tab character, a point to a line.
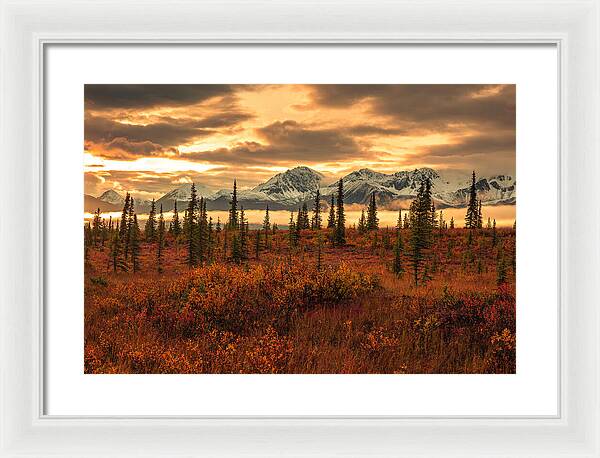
112	197
292	185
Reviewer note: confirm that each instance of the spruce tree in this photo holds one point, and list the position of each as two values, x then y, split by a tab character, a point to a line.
116	253
479	216
331	219
130	215
233	211
494	234
129	219
134	241
452	222
292	232
210	241
96	227
243	225
267	227
372	219
87	242
421	229
175	224
160	236
471	219
236	252
150	228
201	232
399	222
340	221
362	223
316	218
190	227
406	221
123	229
303	220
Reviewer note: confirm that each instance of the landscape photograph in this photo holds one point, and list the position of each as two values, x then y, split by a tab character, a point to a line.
299	229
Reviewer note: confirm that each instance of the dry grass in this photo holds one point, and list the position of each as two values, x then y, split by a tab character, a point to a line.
278	314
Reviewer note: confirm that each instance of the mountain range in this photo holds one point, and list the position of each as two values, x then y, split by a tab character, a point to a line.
289	189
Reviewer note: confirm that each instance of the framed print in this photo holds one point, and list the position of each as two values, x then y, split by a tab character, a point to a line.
232	237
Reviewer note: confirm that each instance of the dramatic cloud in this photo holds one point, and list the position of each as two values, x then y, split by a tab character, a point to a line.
430	105
151	137
286	142
140	96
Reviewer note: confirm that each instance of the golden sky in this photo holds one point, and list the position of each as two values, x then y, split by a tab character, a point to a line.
148	139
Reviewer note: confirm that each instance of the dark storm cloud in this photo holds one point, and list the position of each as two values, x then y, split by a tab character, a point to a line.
119	140
432	105
284	142
166	134
496	143
141	96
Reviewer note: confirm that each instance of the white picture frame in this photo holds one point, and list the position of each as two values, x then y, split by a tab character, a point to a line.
26	27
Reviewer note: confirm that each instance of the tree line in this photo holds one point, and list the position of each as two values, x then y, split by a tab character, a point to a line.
200	236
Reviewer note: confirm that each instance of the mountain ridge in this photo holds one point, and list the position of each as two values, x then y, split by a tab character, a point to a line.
287	190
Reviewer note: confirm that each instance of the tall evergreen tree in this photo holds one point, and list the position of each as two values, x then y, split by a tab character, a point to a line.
134	241
243	224
236	252
292	232
340	221
471	219
372	219
494	234
96	228
116	253
201	232
331	219
124	216
130	215
150	228
190	227
303	220
399	222
160	238
362	223
452	222
421	229
266	227
233	210
87	242
175	224
316	218
479	215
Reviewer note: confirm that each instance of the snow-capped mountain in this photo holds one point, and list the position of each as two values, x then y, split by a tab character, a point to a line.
292	186
289	189
449	189
112	197
117	200
182	195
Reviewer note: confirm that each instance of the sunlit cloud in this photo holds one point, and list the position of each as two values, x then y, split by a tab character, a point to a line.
152	138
